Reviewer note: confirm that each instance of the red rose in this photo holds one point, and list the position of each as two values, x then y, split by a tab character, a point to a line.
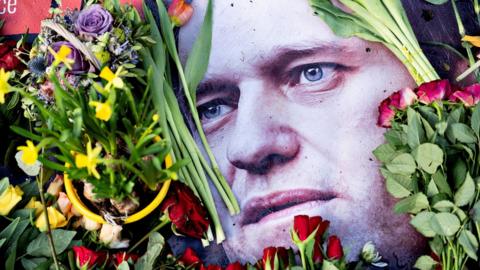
235	266
124	256
189	257
210	267
269	256
305	225
8	59
434	90
334	248
185	210
317	253
85	257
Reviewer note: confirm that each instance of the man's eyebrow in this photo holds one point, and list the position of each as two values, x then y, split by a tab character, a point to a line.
281	57
215	85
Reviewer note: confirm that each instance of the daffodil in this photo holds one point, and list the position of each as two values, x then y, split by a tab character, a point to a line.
29	154
89	160
4	86
62	56
112	78
155	118
103	110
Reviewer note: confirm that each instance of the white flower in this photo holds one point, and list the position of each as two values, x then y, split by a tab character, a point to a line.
110	235
31	170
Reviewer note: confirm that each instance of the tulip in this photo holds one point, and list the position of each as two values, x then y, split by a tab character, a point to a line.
189	257
9	198
433	91
334	248
55	218
269	254
55	186
180	12
110	235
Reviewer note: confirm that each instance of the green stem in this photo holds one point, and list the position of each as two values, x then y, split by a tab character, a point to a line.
164	221
47	220
467	72
476	8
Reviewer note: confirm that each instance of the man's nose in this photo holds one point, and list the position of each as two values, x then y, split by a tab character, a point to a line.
262	138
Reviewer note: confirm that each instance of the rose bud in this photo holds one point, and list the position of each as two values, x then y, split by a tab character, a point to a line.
93	21
8	59
304	226
185	210
334	248
269	254
123	256
470	96
433	91
386	114
317	253
189	257
235	266
86	258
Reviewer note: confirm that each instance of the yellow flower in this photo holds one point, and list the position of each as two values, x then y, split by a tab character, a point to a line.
112	78
34	204
89	160
157	138
9	198
30	153
4	86
155	118
55	218
474	40
62	56
103	111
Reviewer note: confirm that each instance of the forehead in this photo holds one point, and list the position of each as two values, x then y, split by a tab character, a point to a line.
246	31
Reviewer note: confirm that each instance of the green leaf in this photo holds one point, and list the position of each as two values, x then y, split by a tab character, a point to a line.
469	243
198	57
396	137
462	133
441	182
459	172
384	152
8	231
415	132
422	222
2	241
475	119
445	224
429	156
441	127
476	212
396	189
402	164
40	246
404	180
327	265
4	183
436	244
432	189
466	192
412	204
155	246
33	263
429	132
444	206
425	262
123	266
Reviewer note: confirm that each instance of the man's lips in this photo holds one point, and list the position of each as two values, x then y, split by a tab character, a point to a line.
258	208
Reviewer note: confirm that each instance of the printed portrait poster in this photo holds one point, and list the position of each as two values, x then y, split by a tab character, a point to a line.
290	111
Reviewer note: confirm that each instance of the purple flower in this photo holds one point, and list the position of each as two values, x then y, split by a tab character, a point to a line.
80	65
93	22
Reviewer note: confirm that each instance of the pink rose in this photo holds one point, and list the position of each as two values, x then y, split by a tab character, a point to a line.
403	98
470	96
434	90
386	114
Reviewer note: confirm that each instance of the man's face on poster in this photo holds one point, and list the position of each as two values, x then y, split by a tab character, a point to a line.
290	110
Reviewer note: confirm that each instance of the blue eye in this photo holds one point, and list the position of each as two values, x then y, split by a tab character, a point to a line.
311	74
213	110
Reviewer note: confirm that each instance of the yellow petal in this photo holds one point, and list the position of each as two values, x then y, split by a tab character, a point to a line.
81	161
9	198
107	74
474	40
34	204
55	218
